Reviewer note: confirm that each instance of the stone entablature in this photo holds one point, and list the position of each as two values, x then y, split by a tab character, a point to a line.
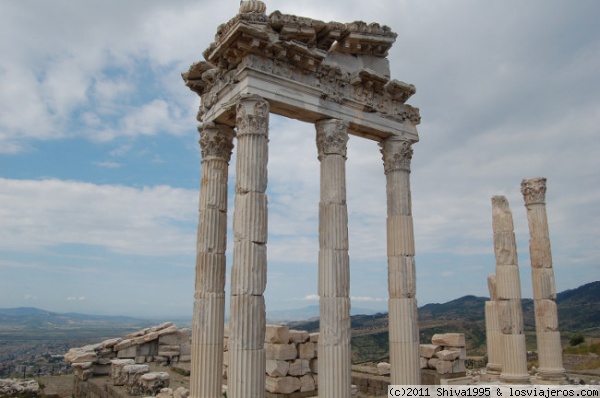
307	69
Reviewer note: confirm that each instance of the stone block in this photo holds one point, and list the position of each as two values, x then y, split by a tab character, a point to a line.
423	362
282	385
432	363
281	352
449	339
169	339
133	373
277	334
448	355
383	368
429	350
129	352
461	350
151	383
443	367
165	393
277	368
299	336
117	375
314	365
299	367
306	350
146	349
314	337
307	383
123	344
110	343
83	370
185	349
181	392
78	355
458	366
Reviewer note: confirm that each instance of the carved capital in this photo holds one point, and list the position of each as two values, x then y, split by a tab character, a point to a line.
252	116
216	141
252	6
534	190
397	154
332	137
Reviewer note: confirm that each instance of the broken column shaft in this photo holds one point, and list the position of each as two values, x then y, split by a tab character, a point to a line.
514	361
544	288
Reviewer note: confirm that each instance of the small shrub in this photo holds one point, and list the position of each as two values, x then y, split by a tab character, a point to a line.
576	339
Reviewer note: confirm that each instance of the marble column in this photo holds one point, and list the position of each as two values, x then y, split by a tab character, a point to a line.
544	288
334	264
492	331
246	377
510	312
206	375
403	326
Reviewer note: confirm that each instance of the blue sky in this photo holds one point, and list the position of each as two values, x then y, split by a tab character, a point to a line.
100	164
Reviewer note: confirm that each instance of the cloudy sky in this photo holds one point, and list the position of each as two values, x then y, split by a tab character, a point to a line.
100	165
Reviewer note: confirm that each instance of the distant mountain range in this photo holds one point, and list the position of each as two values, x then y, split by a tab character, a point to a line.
578	310
35	318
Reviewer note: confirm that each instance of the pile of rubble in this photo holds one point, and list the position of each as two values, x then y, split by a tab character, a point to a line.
446	355
164	343
21	388
292	364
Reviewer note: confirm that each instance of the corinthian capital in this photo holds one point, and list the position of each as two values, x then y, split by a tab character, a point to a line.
332	137
252	116
397	154
216	141
534	190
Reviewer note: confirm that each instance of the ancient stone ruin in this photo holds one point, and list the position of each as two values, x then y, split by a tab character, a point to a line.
335	76
444	358
504	318
126	360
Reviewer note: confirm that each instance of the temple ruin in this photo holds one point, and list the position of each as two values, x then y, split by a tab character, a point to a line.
337	77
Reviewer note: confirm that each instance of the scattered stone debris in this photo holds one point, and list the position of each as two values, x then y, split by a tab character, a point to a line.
21	388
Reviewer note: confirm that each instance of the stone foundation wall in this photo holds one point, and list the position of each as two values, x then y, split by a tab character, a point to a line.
292	362
162	343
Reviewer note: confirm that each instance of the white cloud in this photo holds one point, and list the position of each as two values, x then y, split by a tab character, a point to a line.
311	297
30	297
76	298
368	299
156	220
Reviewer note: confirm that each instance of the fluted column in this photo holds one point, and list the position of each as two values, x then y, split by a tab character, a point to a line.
544	288
492	331
403	326
334	264
246	377
206	376
510	312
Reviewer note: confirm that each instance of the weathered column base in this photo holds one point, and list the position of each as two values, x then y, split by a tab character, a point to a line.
514	369
551	357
